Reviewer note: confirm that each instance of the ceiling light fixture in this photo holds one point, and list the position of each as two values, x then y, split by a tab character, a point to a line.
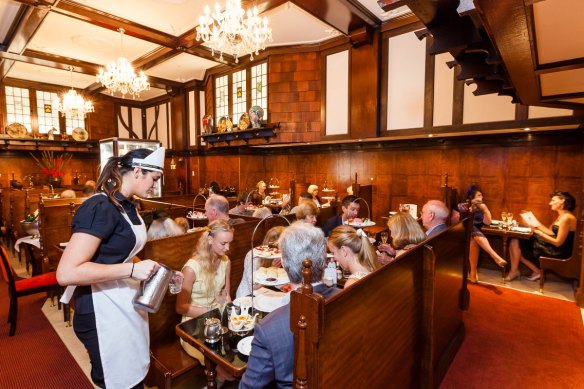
119	76
72	104
231	32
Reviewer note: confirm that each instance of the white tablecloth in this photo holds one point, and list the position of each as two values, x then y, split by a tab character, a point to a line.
28	240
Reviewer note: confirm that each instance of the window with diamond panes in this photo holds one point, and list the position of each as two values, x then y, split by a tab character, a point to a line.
221	99
259	87
71	124
239	97
18	106
47	117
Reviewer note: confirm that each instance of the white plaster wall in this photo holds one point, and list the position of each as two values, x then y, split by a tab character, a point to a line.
337	93
443	90
405	81
486	108
545	112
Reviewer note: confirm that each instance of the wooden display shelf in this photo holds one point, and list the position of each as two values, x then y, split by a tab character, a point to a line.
267	132
30	144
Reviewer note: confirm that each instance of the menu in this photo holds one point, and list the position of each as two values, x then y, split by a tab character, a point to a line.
530	219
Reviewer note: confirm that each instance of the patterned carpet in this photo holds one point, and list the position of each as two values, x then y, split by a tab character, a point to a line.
35	357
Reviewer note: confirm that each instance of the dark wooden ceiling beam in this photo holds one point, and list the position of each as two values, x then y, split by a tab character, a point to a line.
389	5
57	62
343	21
506	23
22	31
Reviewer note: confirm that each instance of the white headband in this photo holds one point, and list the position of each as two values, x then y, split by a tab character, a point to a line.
153	162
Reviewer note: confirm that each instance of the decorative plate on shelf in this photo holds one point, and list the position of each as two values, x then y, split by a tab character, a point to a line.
79	134
256	114
16	130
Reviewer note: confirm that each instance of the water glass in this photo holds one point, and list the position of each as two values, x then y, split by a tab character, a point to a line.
384	236
509	220
175	284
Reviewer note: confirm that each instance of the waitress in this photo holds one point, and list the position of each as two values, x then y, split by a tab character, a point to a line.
98	268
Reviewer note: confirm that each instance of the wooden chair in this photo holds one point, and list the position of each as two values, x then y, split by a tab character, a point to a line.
24	287
570	267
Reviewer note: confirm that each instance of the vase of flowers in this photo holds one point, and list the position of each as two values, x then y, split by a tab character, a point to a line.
52	166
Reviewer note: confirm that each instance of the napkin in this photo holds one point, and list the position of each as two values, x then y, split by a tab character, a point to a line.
525	230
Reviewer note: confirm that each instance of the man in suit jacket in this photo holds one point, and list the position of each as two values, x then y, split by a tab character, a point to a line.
434	215
350	209
271	362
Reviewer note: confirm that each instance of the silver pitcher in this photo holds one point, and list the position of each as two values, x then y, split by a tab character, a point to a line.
152	291
212	330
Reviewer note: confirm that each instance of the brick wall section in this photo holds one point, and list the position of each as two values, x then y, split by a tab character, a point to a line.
294	96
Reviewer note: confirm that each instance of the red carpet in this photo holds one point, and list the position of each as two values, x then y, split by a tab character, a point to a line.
35	357
518	340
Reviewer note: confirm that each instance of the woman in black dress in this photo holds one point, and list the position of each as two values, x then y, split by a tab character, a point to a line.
482	216
556	241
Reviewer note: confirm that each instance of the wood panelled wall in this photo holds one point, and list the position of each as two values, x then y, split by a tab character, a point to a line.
513	178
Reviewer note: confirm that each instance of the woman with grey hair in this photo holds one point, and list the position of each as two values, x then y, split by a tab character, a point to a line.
303	241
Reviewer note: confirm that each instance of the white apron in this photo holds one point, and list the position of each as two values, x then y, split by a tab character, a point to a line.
123	334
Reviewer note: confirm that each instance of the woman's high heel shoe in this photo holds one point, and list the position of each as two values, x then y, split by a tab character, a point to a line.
534	277
511	277
502	263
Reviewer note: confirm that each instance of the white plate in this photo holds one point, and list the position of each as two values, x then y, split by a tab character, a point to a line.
266	254
367	223
244	345
196	218
496	222
261	279
268	301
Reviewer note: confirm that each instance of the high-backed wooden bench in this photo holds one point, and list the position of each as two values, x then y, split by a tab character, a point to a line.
169	363
55	219
400	326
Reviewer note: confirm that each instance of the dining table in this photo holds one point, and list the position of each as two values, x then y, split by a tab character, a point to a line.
223	353
505	234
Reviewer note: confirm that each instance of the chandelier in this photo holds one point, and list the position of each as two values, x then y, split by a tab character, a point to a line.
119	76
232	32
72	104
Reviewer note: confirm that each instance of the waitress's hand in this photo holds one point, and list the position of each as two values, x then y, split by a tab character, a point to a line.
143	270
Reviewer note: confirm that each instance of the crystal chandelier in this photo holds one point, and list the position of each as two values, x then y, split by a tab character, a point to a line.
119	76
71	104
232	32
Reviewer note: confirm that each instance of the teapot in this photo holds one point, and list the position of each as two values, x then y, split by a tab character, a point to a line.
212	330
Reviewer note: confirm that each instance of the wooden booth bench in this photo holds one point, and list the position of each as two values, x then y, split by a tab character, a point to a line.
400	326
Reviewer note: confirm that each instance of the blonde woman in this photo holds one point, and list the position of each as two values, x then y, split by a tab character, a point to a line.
405	233
245	286
353	251
307	212
206	276
313	190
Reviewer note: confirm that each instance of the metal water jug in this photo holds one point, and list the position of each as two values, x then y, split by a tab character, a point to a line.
152	291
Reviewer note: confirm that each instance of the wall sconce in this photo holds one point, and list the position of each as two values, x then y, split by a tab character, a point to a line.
172	164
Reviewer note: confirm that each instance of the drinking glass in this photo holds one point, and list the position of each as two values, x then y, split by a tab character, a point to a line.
503	218
221	301
175	285
384	236
509	220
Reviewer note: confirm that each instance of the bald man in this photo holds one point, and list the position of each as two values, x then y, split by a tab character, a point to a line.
434	216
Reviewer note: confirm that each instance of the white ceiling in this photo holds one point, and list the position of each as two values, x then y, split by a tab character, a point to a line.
64	36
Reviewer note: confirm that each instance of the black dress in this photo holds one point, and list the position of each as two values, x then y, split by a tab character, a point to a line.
479	215
535	247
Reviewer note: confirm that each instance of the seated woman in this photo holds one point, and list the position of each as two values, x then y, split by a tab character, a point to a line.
482	215
271	238
307	212
556	241
163	228
183	223
261	189
405	234
313	190
206	277
353	251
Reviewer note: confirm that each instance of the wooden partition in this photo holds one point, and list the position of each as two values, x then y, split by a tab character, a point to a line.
401	324
55	219
366	193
